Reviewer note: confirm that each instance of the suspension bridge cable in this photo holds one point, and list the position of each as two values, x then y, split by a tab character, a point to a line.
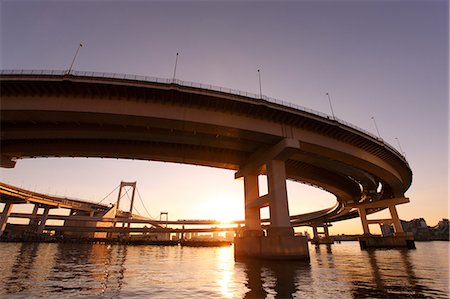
128	196
140	198
126	193
134	208
108	195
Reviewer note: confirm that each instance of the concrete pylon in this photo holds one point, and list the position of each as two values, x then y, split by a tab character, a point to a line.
315	232
399	239
280	242
5	214
252	213
34	221
43	220
396	220
278	205
363	216
325	239
325	231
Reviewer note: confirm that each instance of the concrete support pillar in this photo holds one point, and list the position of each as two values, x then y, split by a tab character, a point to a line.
396	220
34	220
43	220
325	239
280	242
363	216
279	211
251	193
315	233
325	231
5	214
399	239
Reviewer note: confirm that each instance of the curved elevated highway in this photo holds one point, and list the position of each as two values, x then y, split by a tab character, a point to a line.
55	114
17	195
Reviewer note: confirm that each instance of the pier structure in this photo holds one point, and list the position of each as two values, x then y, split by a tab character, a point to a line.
87	114
398	239
279	242
321	237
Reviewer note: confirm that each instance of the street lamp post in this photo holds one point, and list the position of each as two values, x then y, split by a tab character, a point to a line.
376	127
260	89
73	61
175	68
331	106
400	146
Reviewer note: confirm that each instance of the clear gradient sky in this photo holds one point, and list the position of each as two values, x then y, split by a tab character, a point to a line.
387	59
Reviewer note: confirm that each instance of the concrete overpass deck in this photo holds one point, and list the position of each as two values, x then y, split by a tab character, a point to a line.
83	114
16	195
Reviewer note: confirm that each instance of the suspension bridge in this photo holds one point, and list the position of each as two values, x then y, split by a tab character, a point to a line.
98	221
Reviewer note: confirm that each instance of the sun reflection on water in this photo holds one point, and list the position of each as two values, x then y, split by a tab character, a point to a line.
32	270
226	266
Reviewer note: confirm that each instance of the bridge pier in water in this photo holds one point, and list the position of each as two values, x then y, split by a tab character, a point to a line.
36	225
5	214
280	242
398	239
317	239
43	220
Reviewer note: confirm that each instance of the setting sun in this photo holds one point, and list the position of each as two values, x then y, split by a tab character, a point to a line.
225	207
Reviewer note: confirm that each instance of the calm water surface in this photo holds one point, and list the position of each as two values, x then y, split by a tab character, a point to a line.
30	270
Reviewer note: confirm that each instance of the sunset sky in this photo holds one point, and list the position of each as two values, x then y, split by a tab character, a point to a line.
386	59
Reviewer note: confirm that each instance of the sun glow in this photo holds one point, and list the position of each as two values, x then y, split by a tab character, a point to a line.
224	208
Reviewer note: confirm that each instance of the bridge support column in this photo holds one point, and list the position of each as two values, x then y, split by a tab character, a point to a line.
398	228
280	242
34	221
315	234
280	223
5	214
252	213
326	232
325	239
399	239
43	220
363	215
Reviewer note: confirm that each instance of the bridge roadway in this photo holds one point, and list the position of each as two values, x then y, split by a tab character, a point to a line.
81	114
16	195
96	214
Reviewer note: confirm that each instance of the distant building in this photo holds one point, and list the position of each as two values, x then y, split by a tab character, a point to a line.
441	231
423	232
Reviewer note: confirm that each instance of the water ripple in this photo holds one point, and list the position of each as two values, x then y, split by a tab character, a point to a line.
120	271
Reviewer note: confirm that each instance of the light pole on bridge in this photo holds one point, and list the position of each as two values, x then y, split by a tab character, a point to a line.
73	61
260	89
376	127
331	106
400	147
175	68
